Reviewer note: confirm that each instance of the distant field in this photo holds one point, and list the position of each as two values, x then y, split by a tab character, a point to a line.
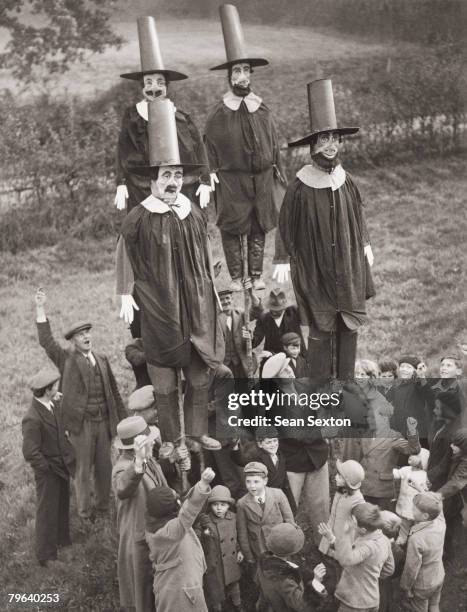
195	45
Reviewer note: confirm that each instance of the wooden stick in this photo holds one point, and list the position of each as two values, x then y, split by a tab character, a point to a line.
246	293
182	440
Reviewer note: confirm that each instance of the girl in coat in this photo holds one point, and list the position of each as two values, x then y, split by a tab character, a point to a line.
219	540
175	550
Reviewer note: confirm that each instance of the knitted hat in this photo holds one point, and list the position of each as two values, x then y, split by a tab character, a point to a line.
161	502
352	472
44	378
460	439
430	503
285	539
220	494
291	338
255	467
410	359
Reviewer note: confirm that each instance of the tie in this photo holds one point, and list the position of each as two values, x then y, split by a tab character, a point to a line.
261	503
88	359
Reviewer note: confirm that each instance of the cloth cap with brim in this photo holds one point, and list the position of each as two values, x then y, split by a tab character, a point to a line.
255	467
285	539
460	439
266	431
220	494
352	472
234	43
76	328
454	355
161	502
43	378
291	338
133	426
273	366
150	53
224	292
412	360
322	113
141	399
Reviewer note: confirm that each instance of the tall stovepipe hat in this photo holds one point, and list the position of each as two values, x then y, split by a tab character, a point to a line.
150	53
234	42
322	113
163	141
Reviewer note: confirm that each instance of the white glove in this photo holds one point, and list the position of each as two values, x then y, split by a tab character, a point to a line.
214	180
128	305
121	197
369	254
204	193
281	273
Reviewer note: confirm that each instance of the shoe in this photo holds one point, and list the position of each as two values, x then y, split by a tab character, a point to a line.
209	443
192	445
236	285
166	449
258	284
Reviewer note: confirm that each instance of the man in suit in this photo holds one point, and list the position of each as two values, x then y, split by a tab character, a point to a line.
92	406
272	324
51	456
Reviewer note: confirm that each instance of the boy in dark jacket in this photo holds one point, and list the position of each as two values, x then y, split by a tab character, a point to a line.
283	586
218	535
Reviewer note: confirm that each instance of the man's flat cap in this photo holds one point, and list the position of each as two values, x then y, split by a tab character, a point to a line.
76	328
43	378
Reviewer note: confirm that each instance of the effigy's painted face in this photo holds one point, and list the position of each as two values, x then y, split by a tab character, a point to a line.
168	183
328	144
154	86
241	76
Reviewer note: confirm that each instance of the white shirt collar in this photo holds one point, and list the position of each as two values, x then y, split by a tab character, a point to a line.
182	206
314	177
142	109
260	497
252	101
90	357
47	405
278	321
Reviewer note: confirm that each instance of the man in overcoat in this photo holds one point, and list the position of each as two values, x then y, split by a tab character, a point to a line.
323	229
91	406
243	152
50	454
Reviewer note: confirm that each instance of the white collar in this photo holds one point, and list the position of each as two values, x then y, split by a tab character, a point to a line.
182	206
312	176
142	109
47	405
90	357
278	321
252	101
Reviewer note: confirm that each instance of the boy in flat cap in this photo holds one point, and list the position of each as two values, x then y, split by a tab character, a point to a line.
91	406
51	456
258	511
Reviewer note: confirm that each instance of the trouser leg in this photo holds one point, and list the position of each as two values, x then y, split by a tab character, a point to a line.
256	254
320	353
315	495
346	345
82	444
164	381
296	482
135	325
231	244
102	465
47	506
196	396
64	513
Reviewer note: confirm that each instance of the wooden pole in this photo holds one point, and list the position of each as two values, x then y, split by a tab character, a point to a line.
246	293
185	466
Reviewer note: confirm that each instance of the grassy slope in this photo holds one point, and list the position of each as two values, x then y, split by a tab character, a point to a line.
418	226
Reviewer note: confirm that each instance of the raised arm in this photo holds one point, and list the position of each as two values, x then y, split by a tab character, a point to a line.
54	350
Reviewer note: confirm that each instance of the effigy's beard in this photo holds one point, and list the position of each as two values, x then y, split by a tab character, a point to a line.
325	163
241	91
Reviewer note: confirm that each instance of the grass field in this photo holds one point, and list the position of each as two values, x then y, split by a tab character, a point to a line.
417	221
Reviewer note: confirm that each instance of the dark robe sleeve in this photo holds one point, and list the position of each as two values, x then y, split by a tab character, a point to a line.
285	235
200	151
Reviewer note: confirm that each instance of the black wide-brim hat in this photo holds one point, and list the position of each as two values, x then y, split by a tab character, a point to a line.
322	113
152	170
170	75
253	61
